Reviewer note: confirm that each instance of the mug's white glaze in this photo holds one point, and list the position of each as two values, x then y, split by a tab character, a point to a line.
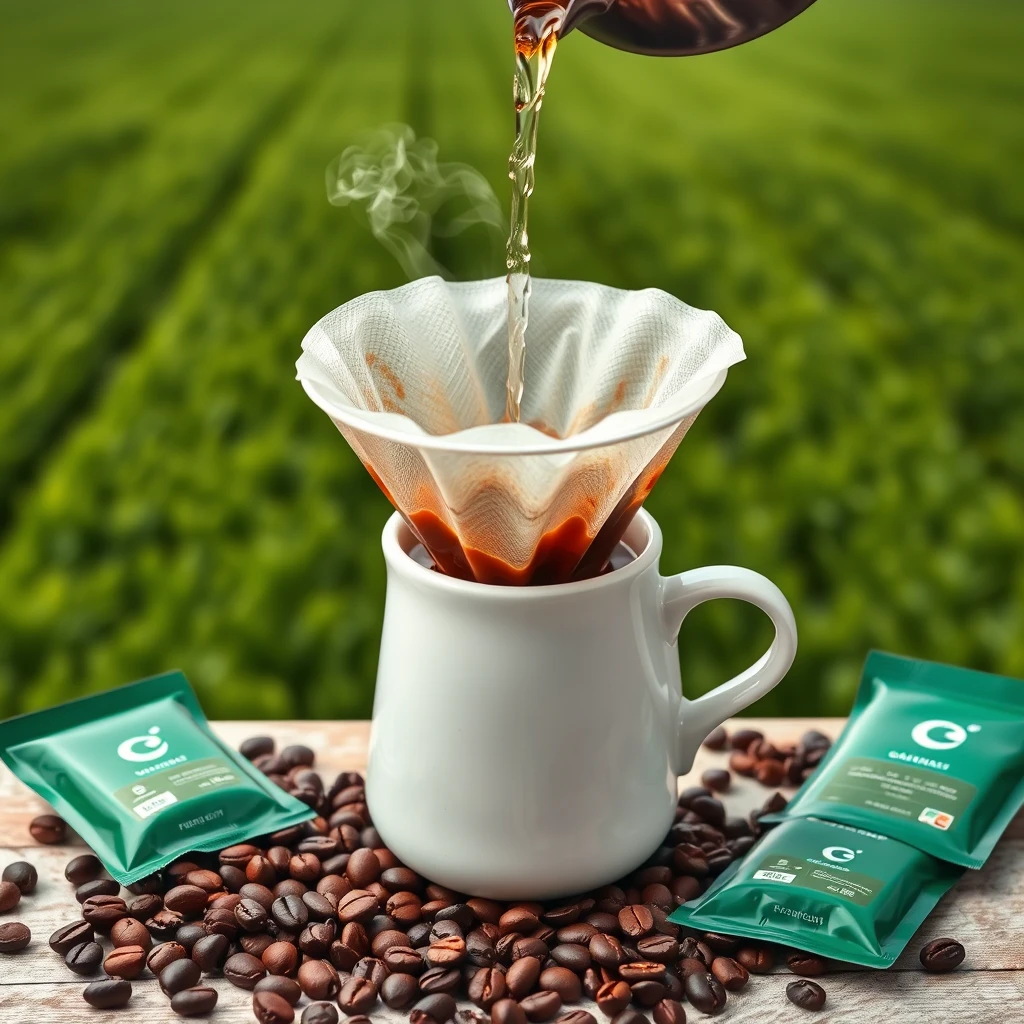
526	740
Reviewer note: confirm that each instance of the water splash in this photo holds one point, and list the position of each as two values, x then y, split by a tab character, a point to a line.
408	197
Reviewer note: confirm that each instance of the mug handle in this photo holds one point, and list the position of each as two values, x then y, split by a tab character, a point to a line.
680	594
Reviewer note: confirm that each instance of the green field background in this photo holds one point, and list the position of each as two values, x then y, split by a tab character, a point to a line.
846	193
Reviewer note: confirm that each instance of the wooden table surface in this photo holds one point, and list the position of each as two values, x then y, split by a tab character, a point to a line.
983	912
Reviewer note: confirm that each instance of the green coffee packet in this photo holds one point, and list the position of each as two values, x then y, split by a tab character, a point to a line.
932	755
141	777
829	889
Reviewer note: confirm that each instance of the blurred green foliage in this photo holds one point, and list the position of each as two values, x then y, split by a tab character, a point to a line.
845	192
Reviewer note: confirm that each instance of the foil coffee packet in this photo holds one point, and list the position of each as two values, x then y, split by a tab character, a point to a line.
932	755
832	890
141	777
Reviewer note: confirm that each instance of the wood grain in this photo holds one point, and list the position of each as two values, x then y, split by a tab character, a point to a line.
983	911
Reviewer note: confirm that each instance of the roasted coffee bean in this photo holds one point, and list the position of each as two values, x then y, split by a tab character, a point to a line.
691	947
289	913
756	959
689	859
629	1016
446	952
129	932
662	948
717	780
280	958
260	871
814	740
518	919
504	947
64	939
234	878
433	1009
318	979
606	950
363	868
250	915
572	955
10	895
322	1013
592	981
49	829
316	938
742	738
808	995
613	997
178	976
125	962
541	1006
188	935
444	929
210	952
440	979
257	945
14	936
194	1002
85	958
244	970
579	933
722	944
806	964
166	953
717	739
942	955
507	1011
732	975
23	875
641	971
209	881
297	754
371	967
479	948
359	905
258	893
144	906
403	960
319	907
108	995
487	987
164	924
705	992
357	995
399	991
577	1017
187	900
103	911
648	993
770	773
562	980
691	965
530	947
669	1011
743	764
82	869
270	1008
256	746
97	887
287	988
636	920
522	976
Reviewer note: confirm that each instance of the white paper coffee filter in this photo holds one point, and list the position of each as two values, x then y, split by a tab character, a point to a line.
415	380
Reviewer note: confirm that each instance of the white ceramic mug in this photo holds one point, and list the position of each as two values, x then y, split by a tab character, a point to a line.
526	740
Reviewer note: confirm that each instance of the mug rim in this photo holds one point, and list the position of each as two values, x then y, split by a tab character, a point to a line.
401	561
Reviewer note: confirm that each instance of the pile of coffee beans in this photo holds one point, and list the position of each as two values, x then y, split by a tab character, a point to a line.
325	912
772	765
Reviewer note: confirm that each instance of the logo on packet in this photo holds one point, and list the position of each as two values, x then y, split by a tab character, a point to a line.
955	734
839	854
154	747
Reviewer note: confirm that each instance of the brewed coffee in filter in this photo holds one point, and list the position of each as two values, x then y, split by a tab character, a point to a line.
415	380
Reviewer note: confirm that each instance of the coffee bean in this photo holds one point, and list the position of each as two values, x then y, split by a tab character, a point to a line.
287	988
82	869
572	955
210	952
518	919
280	958
187	900
629	1016
129	932
612	997
942	955
717	780
244	970
563	981
178	975
97	887
85	958
321	1013
23	875
743	764
715	740
756	959
399	991
647	993
318	979
770	773
125	962
661	948
297	754
144	906
446	952
579	933
541	1006
691	965
433	1009
606	950
358	905
742	738
357	996
669	1011
691	947
577	1017
166	953
187	934
270	1008
806	964
49	829
532	946
440	979
194	1002
705	992
108	995
65	938
689	859
507	1011
14	936
10	895
372	968
103	912
808	995
256	746
732	975
636	920
522	976
487	987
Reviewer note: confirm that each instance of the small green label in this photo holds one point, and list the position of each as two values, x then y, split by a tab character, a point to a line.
913	794
173	785
820	876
